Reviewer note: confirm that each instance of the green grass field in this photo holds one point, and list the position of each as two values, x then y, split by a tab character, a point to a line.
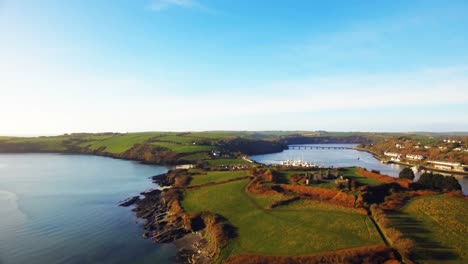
196	156
46	143
352	174
217	134
180	143
439	226
120	143
227	162
183	139
216	176
116	143
289	230
5	138
181	148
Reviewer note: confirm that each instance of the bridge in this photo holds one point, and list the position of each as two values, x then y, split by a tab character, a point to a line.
298	147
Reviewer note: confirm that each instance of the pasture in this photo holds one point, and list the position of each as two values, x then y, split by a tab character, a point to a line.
183	148
227	162
439	226
352	173
119	143
293	229
216	176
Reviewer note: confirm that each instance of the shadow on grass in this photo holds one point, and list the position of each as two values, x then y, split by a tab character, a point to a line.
229	230
426	248
281	178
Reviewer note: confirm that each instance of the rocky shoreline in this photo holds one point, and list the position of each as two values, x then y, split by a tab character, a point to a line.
164	226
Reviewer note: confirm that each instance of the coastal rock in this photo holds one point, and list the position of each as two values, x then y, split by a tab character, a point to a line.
165	226
129	201
162	179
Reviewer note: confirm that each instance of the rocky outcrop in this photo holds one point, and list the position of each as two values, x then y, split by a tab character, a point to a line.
161	224
129	201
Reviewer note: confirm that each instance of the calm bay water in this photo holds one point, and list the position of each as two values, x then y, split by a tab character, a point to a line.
339	158
63	209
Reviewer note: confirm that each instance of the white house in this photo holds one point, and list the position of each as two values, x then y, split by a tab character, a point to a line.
414	157
184	167
392	154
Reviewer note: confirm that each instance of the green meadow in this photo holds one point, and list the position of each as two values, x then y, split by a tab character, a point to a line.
119	143
48	144
351	173
180	143
184	148
296	229
192	157
227	162
439	226
216	176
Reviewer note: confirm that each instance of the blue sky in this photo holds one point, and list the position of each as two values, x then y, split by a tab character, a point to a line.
145	65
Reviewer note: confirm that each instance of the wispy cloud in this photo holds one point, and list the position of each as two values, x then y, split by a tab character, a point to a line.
161	5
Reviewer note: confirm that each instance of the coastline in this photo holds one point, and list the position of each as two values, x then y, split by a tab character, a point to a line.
163	224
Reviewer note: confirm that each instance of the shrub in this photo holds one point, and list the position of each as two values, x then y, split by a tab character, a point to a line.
406	173
268	175
376	254
439	182
218	229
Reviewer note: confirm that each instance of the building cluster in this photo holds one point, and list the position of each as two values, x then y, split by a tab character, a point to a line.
444	165
393	156
443	147
452	141
459	145
234	167
415	157
398	157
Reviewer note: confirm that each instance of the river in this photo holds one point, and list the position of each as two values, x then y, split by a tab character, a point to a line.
63	209
339	158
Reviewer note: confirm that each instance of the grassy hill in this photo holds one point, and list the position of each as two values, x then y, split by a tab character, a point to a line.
187	147
438	224
166	147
